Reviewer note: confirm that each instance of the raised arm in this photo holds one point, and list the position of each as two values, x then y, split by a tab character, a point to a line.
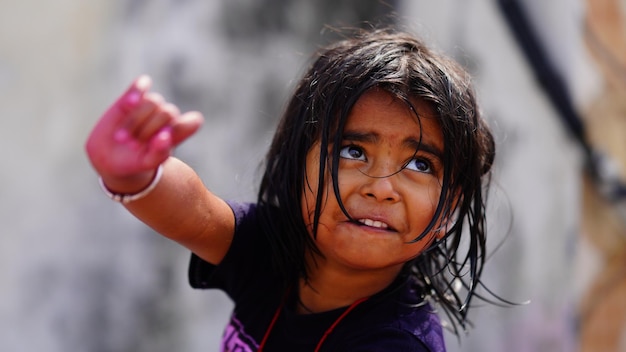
127	145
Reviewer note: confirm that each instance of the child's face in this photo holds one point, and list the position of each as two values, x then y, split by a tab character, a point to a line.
391	207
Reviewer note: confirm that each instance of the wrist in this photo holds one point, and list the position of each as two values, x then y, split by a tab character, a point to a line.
128	189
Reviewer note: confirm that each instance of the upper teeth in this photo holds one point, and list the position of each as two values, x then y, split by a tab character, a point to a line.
373	223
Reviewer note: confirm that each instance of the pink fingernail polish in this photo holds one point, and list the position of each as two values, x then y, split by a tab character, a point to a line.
133	98
165	132
121	135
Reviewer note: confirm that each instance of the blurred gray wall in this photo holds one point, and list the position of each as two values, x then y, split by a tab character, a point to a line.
78	273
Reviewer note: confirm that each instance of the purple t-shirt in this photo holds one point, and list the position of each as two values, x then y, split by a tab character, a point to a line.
395	319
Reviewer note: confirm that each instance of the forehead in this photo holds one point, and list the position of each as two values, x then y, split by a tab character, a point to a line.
379	112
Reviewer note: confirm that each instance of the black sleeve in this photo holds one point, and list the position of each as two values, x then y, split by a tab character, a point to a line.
383	340
247	251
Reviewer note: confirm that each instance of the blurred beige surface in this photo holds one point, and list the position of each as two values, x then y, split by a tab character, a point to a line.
603	308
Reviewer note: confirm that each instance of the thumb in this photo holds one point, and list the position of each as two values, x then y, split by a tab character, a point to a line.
185	126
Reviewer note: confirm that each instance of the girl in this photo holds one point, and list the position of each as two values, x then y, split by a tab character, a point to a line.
371	204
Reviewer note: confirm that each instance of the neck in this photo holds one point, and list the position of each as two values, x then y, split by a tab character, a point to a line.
331	287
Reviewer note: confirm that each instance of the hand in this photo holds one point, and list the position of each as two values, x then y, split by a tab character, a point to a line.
135	135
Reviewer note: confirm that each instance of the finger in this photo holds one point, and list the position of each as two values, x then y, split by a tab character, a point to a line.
143	112
185	126
134	93
159	148
113	118
105	130
164	115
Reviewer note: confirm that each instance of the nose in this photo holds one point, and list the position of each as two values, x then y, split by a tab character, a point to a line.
380	188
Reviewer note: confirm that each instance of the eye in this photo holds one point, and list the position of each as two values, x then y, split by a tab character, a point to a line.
419	164
352	152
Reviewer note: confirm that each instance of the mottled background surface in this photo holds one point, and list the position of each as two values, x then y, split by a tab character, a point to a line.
77	273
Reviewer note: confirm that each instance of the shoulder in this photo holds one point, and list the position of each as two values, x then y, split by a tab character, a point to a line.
391	338
397	321
244	212
423	324
404	329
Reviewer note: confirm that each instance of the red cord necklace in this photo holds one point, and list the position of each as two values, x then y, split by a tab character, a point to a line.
326	333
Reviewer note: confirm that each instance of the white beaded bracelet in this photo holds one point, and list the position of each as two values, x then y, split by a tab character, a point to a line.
127	198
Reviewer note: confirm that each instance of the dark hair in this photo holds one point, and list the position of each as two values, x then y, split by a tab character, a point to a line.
404	67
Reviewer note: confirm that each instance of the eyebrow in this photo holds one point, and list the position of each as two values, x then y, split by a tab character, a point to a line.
424	146
412	143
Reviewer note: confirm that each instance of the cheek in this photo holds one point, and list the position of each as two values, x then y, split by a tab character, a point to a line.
433	200
309	202
434	193
311	188
421	206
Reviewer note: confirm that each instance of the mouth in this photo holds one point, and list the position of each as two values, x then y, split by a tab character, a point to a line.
376	224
